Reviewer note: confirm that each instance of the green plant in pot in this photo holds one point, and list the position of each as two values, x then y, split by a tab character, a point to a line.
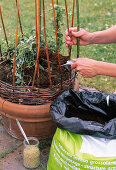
31	105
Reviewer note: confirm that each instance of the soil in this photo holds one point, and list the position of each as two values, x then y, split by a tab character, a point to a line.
87	116
6	71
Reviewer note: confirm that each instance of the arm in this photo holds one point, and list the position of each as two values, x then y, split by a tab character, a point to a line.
104	37
107	69
90	68
100	37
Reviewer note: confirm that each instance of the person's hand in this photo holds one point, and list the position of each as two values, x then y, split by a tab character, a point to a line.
71	36
85	66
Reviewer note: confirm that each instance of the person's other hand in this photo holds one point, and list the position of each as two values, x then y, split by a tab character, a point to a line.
85	66
71	36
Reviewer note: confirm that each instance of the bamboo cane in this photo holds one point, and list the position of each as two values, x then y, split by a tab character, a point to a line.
72	19
76	84
67	26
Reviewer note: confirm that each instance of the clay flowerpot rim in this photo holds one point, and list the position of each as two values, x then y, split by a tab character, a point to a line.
27	113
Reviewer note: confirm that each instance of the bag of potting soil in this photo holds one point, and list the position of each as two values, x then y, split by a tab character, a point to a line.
87	135
70	151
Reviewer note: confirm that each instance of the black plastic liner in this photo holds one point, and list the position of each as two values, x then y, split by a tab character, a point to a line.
86	112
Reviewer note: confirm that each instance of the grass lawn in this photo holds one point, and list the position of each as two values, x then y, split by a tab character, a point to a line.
94	16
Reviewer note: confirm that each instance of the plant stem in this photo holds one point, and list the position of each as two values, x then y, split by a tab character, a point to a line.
78	27
67	26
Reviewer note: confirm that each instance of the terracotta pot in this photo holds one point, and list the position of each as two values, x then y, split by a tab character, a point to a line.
35	120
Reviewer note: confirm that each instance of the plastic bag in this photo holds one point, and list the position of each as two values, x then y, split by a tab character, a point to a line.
86	112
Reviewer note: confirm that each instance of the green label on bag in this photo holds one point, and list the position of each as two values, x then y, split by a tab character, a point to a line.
65	154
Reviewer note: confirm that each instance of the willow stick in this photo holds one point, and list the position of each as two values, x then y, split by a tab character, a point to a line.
57	40
73	12
4	28
20	21
46	45
15	43
78	27
38	48
57	16
0	51
67	26
36	23
40	20
39	32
